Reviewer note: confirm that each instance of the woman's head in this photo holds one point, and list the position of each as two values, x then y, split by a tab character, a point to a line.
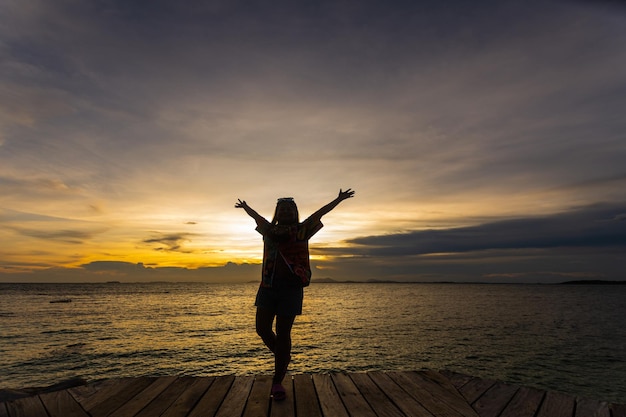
286	212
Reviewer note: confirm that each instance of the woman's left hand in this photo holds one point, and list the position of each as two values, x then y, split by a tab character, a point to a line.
345	194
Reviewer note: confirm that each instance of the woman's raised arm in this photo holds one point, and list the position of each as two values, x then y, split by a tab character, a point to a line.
256	216
343	195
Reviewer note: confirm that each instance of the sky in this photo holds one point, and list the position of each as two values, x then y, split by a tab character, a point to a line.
485	140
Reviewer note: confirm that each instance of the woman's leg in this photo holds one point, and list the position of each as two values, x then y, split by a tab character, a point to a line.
282	344
264	321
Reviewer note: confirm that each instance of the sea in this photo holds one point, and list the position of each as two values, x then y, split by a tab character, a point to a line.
568	338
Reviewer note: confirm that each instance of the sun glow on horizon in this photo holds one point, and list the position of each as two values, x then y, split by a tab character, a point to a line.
180	239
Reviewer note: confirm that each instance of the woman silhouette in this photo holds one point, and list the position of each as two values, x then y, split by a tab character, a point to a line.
285	272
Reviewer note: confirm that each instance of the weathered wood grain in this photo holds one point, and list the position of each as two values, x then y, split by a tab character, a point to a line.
433	383
524	403
474	388
440	379
329	397
166	398
62	404
188	399
82	392
437	406
258	403
407	404
618	410
494	400
307	404
133	406
591	408
106	401
236	398
380	403
27	407
557	404
457	379
89	395
208	405
351	397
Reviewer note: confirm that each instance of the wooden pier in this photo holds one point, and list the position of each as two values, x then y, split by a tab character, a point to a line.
373	394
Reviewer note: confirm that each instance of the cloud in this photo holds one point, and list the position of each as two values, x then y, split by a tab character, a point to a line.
63	235
34	186
48	228
594	226
170	242
12	216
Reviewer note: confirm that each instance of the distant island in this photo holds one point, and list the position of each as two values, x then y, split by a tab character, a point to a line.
382	281
593	282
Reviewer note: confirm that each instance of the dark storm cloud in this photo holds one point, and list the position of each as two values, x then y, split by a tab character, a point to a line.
591	227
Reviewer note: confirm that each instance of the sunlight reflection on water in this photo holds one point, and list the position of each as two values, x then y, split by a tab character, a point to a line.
568	338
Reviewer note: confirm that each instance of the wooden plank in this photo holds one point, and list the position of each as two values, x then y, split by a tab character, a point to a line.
475	388
236	397
62	404
380	403
307	404
592	408
133	406
213	398
87	395
188	399
259	399
329	398
351	397
164	400
457	379
440	379
436	405
524	403
440	389
441	386
618	410
492	402
119	398
285	408
106	405
557	404
27	407
407	404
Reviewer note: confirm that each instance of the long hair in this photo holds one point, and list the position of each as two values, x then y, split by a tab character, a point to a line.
289	201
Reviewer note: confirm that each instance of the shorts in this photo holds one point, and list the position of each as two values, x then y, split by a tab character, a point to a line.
281	301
